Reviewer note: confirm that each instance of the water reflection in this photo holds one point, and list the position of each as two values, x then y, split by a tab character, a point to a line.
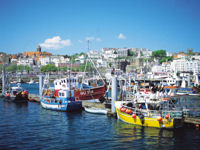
150	137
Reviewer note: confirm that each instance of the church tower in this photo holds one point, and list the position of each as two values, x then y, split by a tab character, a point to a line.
38	48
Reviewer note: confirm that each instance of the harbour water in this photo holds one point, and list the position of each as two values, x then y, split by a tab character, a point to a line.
29	126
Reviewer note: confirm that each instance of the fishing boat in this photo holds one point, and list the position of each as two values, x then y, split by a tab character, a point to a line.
16	94
61	99
96	110
91	92
187	90
63	102
150	113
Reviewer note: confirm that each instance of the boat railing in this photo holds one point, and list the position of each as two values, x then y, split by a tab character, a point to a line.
155	113
50	100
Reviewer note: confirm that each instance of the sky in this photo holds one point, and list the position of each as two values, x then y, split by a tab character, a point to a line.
64	26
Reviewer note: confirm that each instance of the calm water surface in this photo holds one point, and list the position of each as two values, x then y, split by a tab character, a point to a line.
32	127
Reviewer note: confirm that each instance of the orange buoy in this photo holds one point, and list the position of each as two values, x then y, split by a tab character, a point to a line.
123	109
167	116
133	116
159	118
128	111
7	95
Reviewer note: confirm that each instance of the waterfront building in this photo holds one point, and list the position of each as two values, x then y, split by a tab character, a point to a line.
186	65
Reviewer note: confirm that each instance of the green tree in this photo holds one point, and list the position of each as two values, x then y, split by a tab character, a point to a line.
1	67
170	58
110	64
12	68
159	53
88	67
63	68
131	53
20	68
49	68
164	59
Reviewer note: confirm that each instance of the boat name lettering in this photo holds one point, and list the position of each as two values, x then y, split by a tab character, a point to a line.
87	92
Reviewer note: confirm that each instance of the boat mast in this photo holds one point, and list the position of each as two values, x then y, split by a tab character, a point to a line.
94	65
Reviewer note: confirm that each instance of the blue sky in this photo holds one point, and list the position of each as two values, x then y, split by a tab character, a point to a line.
63	26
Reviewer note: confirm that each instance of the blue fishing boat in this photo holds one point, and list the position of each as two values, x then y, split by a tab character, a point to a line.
187	91
65	101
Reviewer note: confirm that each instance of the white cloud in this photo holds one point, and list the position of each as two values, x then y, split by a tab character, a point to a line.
121	36
98	40
55	43
89	38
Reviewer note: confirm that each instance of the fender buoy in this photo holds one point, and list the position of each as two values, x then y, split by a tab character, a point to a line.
167	116
133	116
123	110
128	111
159	118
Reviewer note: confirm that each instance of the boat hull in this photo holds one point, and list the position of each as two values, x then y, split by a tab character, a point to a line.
149	121
16	99
64	106
90	93
96	110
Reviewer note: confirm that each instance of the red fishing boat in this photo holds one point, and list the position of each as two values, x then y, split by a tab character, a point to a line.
90	93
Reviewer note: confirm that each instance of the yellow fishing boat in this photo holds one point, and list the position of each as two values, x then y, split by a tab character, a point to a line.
147	117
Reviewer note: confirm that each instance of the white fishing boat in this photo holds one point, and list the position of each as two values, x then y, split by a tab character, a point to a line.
96	110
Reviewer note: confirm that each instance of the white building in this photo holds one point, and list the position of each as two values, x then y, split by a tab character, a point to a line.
157	68
44	61
185	65
109	53
58	60
81	59
115	52
53	60
146	53
95	54
197	57
25	61
101	63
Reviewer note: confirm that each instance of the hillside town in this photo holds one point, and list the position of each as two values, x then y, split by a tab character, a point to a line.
127	60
